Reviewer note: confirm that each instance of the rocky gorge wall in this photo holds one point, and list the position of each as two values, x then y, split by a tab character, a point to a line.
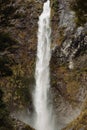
69	47
18	57
68	62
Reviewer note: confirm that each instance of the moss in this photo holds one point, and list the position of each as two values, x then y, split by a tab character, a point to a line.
73	88
7	11
7	45
5	122
6	41
79	123
72	80
54	5
19	93
80	9
54	10
27	128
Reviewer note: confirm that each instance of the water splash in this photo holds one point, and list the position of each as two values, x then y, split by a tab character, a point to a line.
43	113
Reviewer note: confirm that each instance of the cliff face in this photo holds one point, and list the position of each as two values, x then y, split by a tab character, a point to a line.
23	30
69	45
17	56
68	63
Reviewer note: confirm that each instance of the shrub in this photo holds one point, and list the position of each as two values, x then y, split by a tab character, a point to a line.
80	8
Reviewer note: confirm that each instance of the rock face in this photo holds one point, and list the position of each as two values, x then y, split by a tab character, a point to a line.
18	87
68	63
18	125
23	29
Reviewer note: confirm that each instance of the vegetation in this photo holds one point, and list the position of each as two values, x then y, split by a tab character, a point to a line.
7	12
54	11
6	62
12	79
7	47
54	5
79	123
28	128
18	52
80	8
5	122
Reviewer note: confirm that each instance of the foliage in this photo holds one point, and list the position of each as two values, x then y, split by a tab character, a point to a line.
6	46
55	4
15	62
80	8
19	88
5	122
28	128
7	11
6	41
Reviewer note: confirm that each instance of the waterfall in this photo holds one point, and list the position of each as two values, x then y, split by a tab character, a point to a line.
43	116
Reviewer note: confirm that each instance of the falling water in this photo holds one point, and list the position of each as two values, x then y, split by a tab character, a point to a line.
43	116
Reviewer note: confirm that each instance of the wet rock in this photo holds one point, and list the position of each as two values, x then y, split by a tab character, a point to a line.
19	125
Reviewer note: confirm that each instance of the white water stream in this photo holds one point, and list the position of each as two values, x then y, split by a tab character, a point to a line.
43	114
